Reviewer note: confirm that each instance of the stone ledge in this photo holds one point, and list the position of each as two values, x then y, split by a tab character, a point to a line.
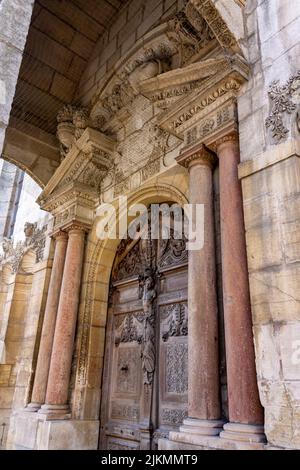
184	441
277	154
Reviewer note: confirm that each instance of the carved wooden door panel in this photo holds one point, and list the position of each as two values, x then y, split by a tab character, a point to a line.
144	393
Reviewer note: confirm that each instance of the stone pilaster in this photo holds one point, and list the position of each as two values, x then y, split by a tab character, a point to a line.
203	372
56	402
245	410
46	342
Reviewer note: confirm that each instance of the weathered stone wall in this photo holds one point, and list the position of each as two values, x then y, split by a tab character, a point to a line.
18	194
270	175
10	181
23	295
15	19
133	22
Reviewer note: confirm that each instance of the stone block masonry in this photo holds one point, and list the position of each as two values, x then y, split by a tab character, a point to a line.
15	18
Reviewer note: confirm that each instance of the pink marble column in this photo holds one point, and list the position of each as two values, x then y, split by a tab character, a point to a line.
245	410
62	351
203	371
43	362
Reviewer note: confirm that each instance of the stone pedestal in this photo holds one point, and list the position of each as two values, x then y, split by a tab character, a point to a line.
203	368
46	342
60	368
243	399
34	431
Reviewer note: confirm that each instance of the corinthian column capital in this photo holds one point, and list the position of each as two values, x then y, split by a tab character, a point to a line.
232	138
197	155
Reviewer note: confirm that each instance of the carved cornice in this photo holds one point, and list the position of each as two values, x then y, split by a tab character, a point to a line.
210	13
179	81
199	154
92	147
208	97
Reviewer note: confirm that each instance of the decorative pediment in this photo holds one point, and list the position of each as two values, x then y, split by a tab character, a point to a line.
171	86
204	109
185	39
74	189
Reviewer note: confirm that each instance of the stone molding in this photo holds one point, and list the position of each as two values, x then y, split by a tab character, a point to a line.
209	12
73	191
276	155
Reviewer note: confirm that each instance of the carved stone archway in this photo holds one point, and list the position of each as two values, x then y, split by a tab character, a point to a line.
96	284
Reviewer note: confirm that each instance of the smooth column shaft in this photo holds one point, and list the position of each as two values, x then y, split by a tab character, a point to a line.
46	342
243	397
61	359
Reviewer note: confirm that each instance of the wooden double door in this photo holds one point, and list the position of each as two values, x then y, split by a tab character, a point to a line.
145	378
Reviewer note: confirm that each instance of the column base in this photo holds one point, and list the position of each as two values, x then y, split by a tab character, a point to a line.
55	411
249	433
202	427
32	407
233	437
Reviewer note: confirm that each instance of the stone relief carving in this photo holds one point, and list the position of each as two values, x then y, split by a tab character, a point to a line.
222	89
285	99
35	239
163	98
177	318
210	14
209	125
192	32
177	368
71	123
152	62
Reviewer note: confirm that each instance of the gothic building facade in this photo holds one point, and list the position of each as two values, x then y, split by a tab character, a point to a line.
142	343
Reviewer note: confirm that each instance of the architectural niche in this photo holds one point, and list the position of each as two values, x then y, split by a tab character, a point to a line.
285	100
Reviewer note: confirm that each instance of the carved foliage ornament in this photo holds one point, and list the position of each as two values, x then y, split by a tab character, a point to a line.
177	318
285	99
35	239
192	32
71	123
209	12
